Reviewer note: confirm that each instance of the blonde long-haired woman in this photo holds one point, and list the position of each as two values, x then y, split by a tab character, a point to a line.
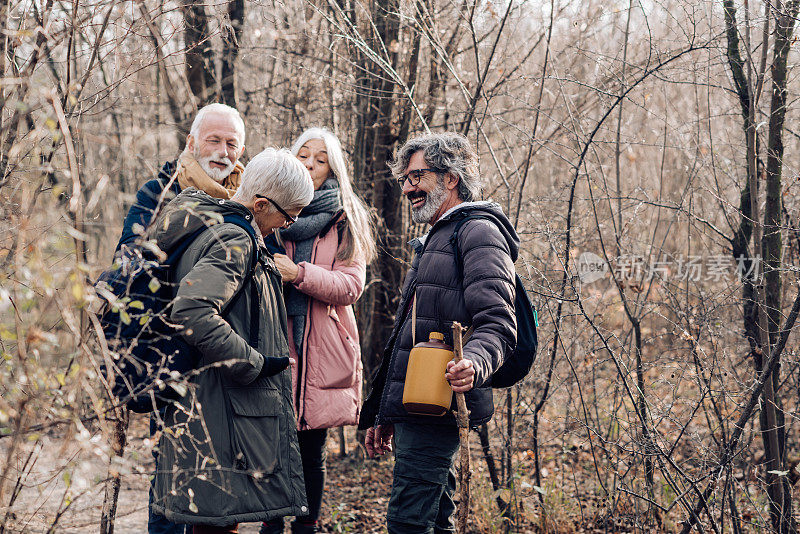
327	251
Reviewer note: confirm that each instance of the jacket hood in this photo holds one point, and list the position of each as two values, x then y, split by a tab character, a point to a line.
486	209
191	210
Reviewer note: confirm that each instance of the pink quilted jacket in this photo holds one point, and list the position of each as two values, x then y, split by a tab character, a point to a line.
328	375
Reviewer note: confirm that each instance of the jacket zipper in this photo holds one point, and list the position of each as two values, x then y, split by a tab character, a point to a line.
302	362
412	290
239	459
307	330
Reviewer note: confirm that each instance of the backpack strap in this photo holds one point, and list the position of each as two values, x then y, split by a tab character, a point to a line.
247	226
454	241
458	257
177	251
174	254
255	258
248	279
464	217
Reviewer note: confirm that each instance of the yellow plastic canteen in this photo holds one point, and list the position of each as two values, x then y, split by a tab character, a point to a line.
426	391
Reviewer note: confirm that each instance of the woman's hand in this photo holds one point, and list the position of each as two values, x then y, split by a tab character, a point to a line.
288	269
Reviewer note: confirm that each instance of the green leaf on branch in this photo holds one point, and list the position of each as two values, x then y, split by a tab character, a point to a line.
154	285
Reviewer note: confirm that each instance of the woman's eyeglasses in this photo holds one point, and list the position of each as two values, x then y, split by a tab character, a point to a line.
289	219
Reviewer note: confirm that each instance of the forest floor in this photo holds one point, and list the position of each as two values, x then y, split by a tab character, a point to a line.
355	500
568	499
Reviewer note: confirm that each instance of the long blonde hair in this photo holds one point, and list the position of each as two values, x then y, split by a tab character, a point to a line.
358	239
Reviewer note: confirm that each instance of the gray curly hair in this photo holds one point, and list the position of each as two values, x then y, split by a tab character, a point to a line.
445	152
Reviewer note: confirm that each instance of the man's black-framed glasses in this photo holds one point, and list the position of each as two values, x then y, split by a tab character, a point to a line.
289	219
415	176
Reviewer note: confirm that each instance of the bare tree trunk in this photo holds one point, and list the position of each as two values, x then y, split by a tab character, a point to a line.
762	304
8	134
491	466
772	251
641	407
481	81
199	54
617	143
728	452
641	402
230	51
375	142
438	73
173	99
744	233
119	440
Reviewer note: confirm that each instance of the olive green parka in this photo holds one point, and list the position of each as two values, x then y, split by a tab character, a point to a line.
228	453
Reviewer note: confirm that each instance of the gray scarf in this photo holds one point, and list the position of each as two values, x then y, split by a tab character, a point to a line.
313	219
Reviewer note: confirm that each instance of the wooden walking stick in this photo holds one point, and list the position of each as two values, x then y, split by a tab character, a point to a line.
462	417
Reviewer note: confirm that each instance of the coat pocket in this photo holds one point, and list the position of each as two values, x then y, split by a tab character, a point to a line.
255	429
339	366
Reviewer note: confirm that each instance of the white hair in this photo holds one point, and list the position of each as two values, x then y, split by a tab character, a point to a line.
220	109
359	240
277	174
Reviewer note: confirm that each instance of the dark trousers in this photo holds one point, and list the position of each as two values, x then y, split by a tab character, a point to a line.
424	479
158	524
313	454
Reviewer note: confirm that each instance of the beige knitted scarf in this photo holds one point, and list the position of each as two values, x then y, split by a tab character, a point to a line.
191	174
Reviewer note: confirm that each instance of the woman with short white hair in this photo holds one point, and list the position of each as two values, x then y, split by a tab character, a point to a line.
228	453
324	267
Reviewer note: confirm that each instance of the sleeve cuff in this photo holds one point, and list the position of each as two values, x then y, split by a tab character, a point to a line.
301	274
480	371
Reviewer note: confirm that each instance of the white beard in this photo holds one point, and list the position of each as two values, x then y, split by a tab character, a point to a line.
433	201
218	175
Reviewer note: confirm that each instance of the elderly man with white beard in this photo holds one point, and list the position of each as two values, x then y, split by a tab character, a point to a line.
209	162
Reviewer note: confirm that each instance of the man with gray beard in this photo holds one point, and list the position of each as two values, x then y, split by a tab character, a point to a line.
440	177
209	162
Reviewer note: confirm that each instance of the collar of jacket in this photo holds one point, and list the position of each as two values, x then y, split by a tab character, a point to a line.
233	206
167	170
418	243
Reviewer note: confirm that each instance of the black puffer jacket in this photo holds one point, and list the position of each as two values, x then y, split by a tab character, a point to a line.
484	300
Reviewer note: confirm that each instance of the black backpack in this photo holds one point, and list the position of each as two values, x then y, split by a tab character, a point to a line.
151	359
518	362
